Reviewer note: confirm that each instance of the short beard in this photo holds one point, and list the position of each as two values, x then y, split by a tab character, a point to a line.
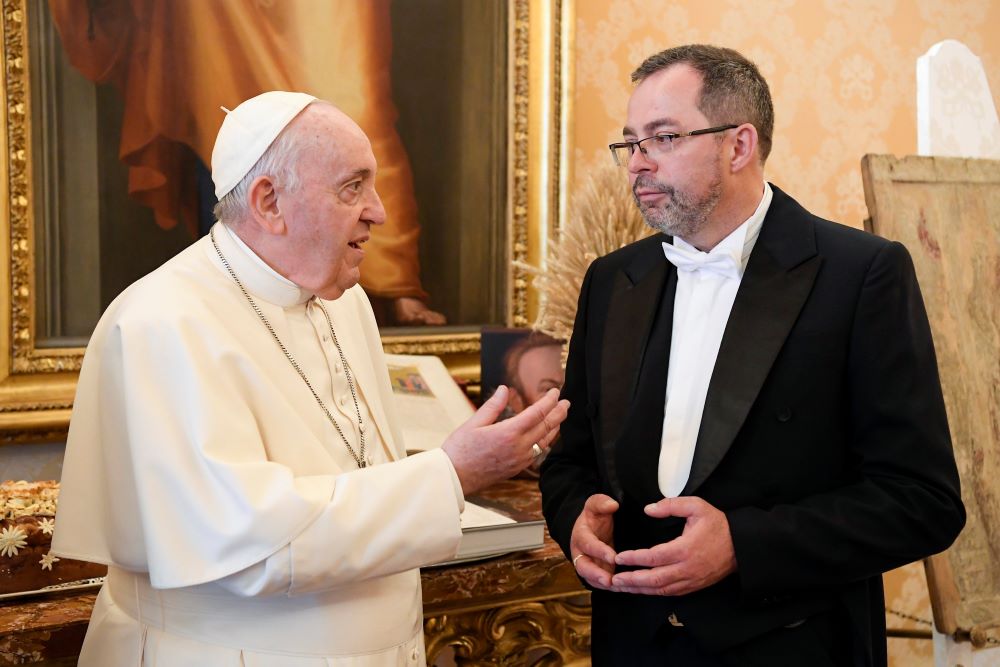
682	215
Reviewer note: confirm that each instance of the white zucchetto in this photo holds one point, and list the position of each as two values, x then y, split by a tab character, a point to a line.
247	132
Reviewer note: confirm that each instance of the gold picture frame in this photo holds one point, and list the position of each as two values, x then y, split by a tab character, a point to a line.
37	384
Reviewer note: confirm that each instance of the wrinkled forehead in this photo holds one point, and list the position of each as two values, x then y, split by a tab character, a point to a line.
330	136
321	122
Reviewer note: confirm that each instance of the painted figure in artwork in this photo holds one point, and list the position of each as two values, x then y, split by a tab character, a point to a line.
176	63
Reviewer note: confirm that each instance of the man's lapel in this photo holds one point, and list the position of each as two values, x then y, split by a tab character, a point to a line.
635	299
777	281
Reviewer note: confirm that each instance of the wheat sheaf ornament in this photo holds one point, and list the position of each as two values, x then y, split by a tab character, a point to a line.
602	217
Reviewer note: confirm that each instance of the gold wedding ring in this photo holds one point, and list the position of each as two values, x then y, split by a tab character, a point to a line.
536	451
576	558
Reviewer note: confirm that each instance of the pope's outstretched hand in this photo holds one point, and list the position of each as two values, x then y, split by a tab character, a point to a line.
485	451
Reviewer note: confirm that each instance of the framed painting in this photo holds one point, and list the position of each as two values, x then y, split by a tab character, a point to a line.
112	106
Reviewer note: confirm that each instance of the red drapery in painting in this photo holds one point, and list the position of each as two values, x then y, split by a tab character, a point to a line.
177	62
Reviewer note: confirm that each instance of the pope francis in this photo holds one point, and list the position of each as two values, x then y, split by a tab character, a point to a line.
234	456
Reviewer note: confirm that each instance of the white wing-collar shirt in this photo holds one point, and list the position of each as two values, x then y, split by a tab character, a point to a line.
707	283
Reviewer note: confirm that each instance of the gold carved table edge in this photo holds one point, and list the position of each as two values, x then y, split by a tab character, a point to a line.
526	608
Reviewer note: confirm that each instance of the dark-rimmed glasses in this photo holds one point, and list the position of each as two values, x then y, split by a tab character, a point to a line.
656	145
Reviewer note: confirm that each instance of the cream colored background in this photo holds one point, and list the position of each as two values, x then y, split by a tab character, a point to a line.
843	77
842	74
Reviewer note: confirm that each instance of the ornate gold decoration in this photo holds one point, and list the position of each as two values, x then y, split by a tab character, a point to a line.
25	357
557	167
19	204
538	176
37	384
27	435
439	344
34	394
519	160
48	405
551	632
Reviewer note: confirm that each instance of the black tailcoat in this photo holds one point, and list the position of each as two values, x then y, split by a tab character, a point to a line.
824	437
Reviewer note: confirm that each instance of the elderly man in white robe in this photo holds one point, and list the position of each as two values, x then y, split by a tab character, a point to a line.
233	454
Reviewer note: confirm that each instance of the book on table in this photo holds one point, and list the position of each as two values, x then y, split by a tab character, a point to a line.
431	405
491	528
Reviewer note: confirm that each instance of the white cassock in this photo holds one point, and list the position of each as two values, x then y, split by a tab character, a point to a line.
237	528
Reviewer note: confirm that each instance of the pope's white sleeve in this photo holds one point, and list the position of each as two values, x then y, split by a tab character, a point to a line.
271	576
379	521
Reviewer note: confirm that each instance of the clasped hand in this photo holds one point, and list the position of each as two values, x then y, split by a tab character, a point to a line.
700	557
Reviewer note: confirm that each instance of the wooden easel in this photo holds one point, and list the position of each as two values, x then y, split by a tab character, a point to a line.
946	211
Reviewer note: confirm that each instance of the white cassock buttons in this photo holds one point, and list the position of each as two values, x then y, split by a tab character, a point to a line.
343	400
370	460
338	367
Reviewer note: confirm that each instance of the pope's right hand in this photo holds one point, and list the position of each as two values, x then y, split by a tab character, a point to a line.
590	544
485	451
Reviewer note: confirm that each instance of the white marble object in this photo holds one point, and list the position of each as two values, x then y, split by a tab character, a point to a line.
949	653
956	114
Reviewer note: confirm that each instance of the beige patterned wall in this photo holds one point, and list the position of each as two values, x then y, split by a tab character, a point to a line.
842	73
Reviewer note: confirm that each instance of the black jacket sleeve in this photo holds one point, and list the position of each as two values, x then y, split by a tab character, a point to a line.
904	500
569	472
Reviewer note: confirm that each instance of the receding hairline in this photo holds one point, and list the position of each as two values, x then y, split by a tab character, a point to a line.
732	88
320	111
326	123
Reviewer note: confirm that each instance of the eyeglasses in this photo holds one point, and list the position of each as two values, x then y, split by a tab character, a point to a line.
656	145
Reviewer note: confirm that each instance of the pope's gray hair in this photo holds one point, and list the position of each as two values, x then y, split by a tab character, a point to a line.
278	162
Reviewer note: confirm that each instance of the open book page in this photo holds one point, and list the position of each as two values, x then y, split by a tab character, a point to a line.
429	403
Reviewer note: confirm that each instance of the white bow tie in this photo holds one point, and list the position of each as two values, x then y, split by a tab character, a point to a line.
692	260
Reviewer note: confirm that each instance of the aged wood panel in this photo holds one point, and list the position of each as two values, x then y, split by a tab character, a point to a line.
946	211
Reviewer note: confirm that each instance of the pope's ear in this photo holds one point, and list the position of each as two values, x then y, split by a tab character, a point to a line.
262	197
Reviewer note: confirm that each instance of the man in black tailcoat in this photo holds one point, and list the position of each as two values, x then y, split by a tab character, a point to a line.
757	430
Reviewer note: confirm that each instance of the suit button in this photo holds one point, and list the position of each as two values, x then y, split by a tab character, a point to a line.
784	414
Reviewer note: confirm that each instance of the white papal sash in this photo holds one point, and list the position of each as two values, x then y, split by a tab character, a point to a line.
366	617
